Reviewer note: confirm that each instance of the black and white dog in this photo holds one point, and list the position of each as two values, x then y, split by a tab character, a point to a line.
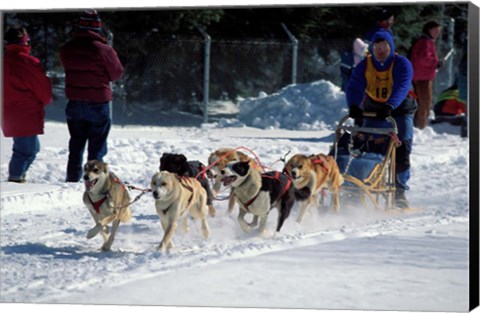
178	164
257	193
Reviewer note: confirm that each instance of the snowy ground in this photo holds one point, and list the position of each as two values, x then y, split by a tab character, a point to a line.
357	259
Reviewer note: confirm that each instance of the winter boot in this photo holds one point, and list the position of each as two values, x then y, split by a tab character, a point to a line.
21	180
463	128
401	201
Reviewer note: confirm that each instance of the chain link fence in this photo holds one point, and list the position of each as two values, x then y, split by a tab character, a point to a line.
167	74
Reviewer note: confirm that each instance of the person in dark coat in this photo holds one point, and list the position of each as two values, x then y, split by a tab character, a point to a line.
384	21
380	84
27	90
90	65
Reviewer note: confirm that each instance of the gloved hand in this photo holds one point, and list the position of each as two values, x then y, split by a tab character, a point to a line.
440	63
355	111
384	111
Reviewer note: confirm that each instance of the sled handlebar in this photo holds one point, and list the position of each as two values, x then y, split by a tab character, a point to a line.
370	130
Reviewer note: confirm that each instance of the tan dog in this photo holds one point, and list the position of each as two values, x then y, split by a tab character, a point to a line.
309	175
219	159
107	201
174	196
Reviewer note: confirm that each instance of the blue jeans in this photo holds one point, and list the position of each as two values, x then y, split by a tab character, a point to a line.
25	150
86	122
405	135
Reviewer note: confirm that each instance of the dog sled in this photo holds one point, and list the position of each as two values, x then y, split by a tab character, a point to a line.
366	160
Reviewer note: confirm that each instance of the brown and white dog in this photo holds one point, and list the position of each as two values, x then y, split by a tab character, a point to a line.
219	159
309	175
257	193
107	201
174	196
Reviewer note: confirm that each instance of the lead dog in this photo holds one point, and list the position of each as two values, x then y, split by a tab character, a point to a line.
258	193
174	196
107	201
219	159
309	175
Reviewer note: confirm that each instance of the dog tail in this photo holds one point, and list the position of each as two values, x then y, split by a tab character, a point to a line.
125	215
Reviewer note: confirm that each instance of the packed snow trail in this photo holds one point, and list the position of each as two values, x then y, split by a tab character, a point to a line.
46	257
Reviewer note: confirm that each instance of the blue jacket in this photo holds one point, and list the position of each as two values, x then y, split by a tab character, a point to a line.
402	75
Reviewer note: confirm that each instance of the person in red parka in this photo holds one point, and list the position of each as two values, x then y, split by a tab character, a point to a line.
90	65
425	64
26	92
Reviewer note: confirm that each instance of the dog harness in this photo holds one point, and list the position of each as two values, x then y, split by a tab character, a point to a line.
98	204
270	175
318	160
184	182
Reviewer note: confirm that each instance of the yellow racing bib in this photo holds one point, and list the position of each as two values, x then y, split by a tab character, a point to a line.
379	84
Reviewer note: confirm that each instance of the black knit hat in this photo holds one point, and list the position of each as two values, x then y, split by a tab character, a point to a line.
90	20
16	35
384	14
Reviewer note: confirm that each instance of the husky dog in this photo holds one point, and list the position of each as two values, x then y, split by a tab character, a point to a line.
174	196
310	174
258	193
178	164
219	159
107	201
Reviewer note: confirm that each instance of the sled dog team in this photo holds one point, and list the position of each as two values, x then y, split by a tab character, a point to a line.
181	190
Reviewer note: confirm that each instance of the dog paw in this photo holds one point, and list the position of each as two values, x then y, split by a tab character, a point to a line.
94	231
106	248
211	211
165	248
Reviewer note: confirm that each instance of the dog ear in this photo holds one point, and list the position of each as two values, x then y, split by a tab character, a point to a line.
105	168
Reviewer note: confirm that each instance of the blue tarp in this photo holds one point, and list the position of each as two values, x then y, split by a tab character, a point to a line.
360	167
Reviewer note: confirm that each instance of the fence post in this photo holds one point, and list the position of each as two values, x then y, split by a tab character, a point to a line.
206	73
110	43
294	53
451	47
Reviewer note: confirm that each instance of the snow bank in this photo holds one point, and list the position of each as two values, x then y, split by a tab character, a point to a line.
310	106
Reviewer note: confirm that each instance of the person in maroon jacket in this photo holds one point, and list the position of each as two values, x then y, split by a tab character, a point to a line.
90	65
425	63
26	92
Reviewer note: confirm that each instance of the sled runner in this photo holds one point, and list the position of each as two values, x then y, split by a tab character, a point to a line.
366	159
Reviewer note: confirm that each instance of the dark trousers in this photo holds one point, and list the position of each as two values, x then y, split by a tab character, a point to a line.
87	122
24	150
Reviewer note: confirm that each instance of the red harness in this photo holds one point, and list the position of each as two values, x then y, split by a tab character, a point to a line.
98	204
277	177
319	161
